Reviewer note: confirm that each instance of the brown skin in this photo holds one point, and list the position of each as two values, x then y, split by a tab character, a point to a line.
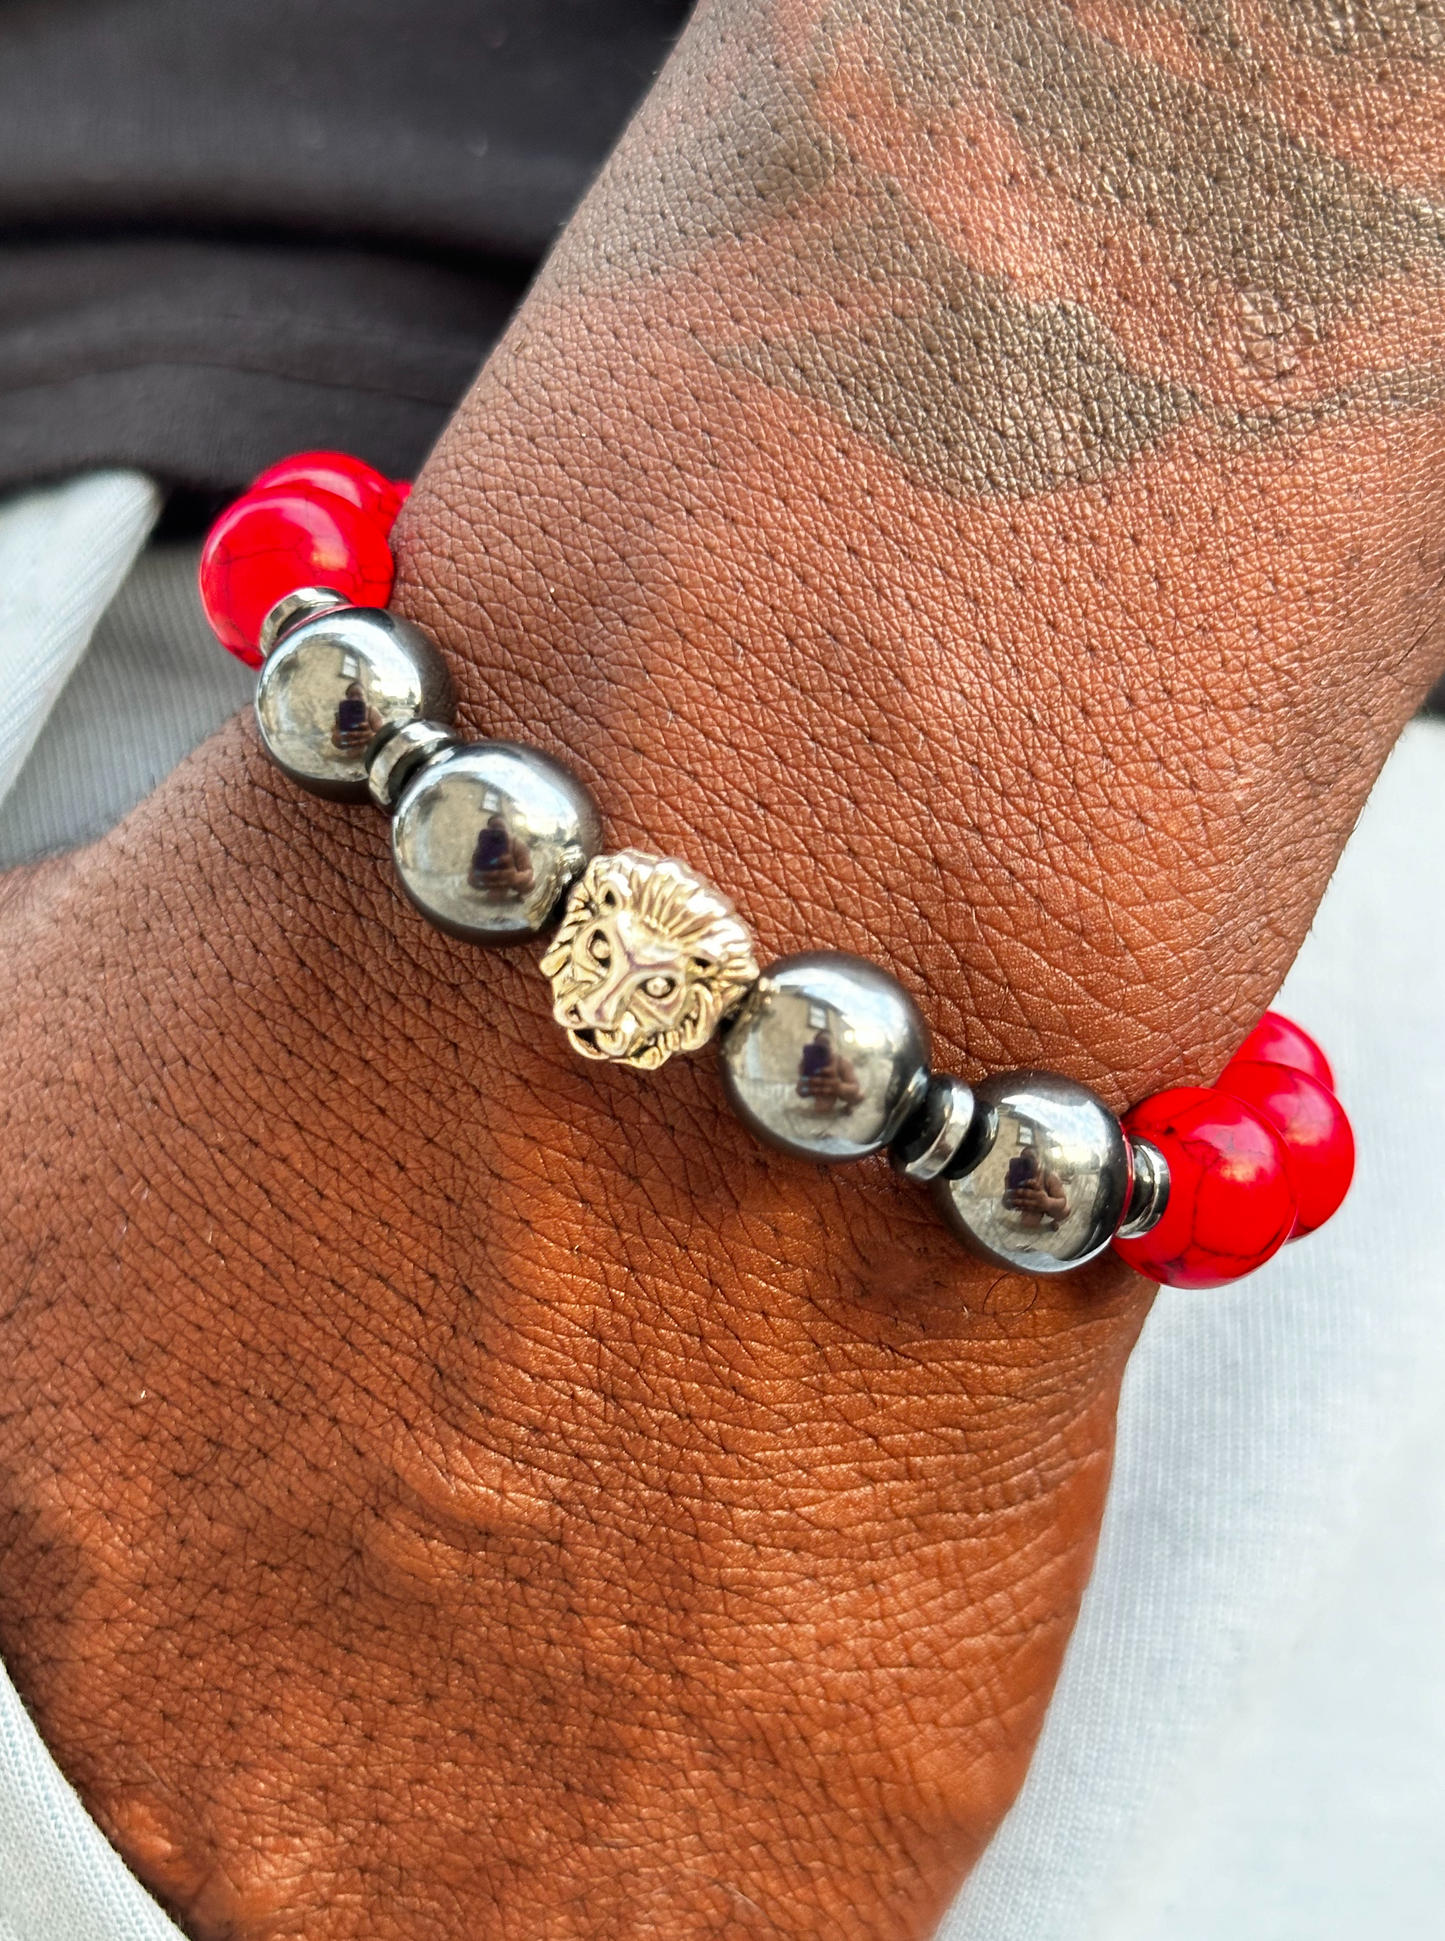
446	1488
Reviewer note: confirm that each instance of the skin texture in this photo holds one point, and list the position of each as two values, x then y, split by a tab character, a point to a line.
969	483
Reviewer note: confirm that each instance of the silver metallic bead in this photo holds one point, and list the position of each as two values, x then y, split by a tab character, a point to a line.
332	683
396	755
648	960
488	838
932	1138
1048	1178
828	1057
292	608
1150	1197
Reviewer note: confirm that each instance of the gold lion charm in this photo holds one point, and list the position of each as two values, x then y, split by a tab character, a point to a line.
648	960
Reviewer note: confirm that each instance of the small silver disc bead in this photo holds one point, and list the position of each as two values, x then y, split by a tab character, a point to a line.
827	1058
934	1136
396	755
489	837
292	608
1150	1197
1048	1175
331	684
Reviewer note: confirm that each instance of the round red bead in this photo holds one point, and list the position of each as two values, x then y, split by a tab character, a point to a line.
346	478
1314	1128
1275	1041
269	543
1231	1203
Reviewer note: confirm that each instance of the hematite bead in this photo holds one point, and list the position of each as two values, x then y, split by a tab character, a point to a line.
1047	1185
396	755
828	1057
331	684
489	837
934	1136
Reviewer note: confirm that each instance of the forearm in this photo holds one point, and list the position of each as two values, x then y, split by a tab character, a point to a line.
971	538
997	530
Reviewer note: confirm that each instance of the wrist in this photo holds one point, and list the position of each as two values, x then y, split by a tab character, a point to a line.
898	727
376	1372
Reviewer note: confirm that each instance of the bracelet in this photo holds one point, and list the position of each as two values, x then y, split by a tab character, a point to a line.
823	1055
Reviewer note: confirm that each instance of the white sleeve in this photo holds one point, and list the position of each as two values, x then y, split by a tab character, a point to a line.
63	553
60	1879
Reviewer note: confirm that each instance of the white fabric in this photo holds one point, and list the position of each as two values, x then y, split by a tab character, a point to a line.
59	1878
63	553
1248	1742
151	686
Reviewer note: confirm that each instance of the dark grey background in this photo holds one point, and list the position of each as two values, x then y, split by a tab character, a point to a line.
233	229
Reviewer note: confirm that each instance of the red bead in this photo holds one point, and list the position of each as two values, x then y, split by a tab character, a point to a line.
1231	1203
346	478
1275	1041
1314	1128
269	543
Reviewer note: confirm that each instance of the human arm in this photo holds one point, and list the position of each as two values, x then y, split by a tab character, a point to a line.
441	1477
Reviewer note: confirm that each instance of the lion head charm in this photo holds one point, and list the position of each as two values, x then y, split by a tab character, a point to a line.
648	960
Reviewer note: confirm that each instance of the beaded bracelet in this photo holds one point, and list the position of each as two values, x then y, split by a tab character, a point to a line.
823	1055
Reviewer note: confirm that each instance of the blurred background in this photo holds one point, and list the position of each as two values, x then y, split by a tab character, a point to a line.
230	232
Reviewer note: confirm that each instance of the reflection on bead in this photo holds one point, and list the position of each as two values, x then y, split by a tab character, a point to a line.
292	608
933	1137
1231	1203
489	837
647	961
1275	1040
828	1058
1315	1131
1047	1190
359	484
396	755
269	543
333	683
